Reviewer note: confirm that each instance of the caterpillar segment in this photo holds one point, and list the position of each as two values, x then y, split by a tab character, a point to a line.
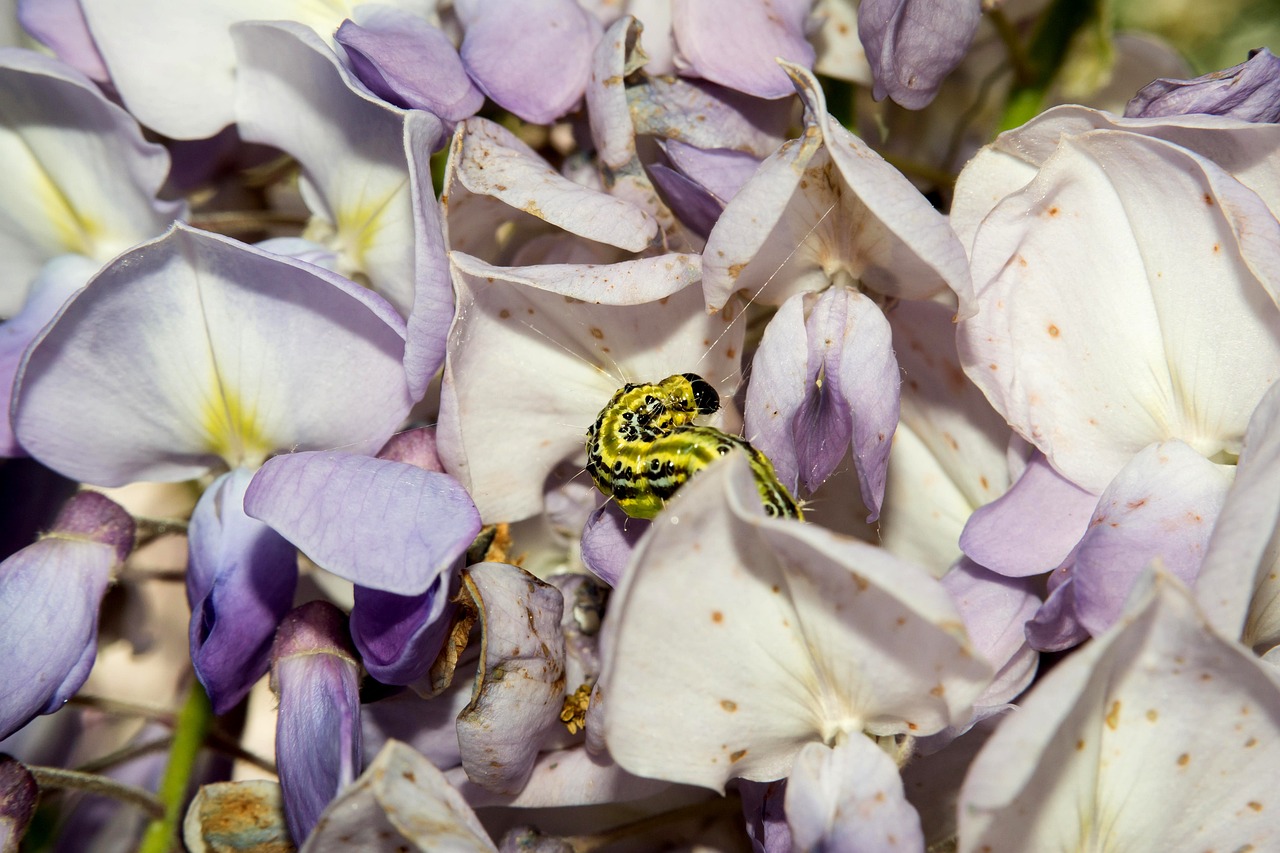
644	446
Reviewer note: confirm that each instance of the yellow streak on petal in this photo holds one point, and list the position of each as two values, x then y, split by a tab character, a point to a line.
231	428
74	232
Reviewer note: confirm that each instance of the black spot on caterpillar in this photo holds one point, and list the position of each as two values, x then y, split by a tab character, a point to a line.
644	446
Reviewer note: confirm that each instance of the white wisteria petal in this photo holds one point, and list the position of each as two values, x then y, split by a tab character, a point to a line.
1248	151
530	369
849	798
1158	735
826	206
401	797
78	176
520	688
1124	299
1239	581
735	640
488	160
294	94
1161	506
194	348
175	64
949	451
564	777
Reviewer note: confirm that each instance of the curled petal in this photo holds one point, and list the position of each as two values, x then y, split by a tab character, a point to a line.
378	523
520	688
241	576
1249	91
410	63
401	797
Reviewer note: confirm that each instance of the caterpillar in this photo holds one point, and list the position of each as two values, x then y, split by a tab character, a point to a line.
644	446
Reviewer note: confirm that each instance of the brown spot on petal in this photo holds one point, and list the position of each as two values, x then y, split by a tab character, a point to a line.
1113	715
717	616
1255	805
1153	715
598	334
1053	331
1208	199
735	757
729	705
1184	760
504	313
1053	211
1080	746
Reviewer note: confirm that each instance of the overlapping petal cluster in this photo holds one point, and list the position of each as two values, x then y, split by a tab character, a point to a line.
1028	410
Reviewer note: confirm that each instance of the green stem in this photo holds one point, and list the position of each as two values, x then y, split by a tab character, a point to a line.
193	723
1046	53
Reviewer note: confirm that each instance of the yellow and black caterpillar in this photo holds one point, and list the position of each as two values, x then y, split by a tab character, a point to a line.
644	446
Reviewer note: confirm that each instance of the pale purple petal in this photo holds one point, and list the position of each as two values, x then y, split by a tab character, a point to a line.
400	636
1033	527
241	576
632	282
1238	586
995	609
432	311
410	63
692	204
301	249
1161	506
520	688
608	540
315	674
212	349
59	278
50	593
805	427
736	44
765	815
414	447
722	171
912	45
400	798
79	176
532	58
60	26
377	523
1249	91
1055	626
849	798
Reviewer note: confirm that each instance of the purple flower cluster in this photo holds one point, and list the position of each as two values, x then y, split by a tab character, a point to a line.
360	277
